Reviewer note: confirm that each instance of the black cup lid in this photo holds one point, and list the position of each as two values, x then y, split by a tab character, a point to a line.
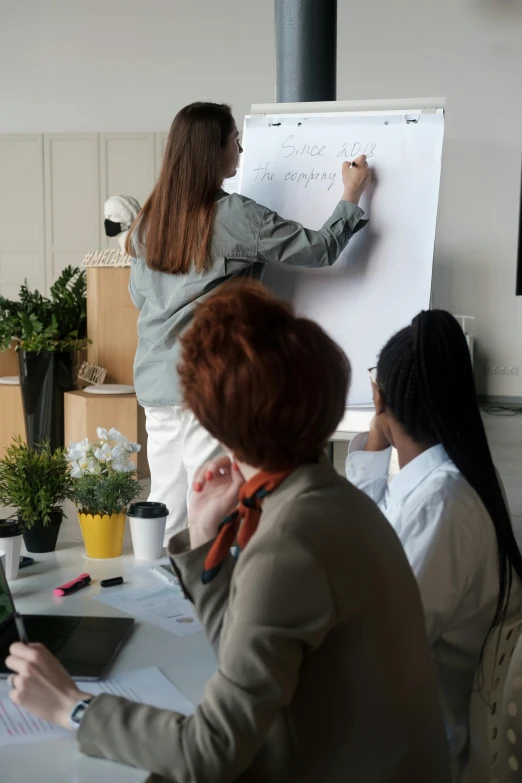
148	510
10	528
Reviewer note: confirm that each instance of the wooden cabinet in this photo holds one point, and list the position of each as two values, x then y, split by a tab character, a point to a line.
73	217
112	323
12	421
52	191
22	239
9	363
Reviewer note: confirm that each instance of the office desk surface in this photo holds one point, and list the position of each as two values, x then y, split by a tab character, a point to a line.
187	661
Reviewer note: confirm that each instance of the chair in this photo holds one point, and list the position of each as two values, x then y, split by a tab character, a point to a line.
511	720
486	713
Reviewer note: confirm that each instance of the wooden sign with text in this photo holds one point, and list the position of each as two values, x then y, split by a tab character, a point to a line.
112	258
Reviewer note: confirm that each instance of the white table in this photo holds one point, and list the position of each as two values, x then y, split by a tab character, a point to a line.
187	661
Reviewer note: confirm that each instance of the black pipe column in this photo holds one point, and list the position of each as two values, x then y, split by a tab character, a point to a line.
306	50
306	57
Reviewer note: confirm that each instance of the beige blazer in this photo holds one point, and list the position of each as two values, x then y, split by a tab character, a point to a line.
324	674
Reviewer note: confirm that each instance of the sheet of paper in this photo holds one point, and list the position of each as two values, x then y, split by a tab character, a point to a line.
162	605
292	164
147	686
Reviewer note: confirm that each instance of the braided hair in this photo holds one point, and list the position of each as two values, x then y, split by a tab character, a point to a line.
426	377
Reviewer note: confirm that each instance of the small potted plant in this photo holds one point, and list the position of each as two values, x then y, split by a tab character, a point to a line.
48	333
105	484
36	481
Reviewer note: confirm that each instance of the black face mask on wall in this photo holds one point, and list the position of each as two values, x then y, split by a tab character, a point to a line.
112	229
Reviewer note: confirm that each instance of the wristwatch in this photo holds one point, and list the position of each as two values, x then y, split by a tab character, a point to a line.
78	711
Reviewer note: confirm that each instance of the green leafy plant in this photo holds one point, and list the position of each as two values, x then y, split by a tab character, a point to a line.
34	480
55	323
104	475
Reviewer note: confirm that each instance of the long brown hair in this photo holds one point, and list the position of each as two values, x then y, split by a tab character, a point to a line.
176	221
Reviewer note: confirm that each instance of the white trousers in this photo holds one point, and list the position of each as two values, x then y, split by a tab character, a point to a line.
177	446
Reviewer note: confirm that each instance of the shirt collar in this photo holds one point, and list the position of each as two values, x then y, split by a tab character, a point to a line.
416	471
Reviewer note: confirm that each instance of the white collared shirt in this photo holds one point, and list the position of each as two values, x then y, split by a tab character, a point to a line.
450	541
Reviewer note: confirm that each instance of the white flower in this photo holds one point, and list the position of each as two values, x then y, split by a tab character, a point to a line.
78	451
114	434
118	465
102	433
94	467
103	453
76	471
121	465
116	452
133	448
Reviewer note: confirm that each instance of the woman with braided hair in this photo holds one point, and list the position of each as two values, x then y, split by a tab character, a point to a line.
446	504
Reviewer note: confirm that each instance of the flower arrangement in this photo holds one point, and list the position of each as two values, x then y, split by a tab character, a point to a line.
105	476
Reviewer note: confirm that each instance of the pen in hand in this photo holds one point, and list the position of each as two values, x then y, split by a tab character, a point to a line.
20	627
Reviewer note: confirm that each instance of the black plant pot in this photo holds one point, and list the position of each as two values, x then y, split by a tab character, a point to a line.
43	539
44	379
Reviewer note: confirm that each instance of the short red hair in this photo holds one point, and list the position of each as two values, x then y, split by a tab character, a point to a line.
268	385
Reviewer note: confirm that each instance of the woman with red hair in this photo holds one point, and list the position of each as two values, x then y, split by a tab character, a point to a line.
323	669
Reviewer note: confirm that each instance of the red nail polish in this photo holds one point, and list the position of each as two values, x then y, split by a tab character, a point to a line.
198	486
236	467
209	476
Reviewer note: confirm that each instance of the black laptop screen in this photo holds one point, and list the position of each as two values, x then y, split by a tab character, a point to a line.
6	601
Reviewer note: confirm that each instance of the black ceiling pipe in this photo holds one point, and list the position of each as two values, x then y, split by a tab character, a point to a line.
306	50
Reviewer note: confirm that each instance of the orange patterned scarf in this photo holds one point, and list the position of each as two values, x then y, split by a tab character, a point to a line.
242	523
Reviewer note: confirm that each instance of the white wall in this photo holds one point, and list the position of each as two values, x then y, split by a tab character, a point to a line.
129	65
471	52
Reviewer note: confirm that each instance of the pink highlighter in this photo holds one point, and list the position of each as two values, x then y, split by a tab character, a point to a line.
71	587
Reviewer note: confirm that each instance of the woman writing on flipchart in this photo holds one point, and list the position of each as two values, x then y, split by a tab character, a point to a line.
190	237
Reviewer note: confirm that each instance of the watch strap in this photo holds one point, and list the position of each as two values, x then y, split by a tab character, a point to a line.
78	711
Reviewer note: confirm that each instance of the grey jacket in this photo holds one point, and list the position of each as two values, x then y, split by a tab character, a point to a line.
324	673
245	237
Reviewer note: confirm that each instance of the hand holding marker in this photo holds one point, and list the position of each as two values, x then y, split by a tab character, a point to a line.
356	175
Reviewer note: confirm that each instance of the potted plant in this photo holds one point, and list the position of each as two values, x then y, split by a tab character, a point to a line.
47	332
105	484
36	481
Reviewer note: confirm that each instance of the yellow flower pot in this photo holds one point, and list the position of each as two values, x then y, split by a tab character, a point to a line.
102	536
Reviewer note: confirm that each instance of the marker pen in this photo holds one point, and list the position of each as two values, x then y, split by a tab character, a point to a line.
71	587
116	580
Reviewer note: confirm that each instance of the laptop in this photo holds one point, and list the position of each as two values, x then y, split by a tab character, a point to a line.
85	646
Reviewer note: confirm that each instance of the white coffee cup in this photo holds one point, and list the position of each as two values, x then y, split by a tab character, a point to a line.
11	544
147	525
